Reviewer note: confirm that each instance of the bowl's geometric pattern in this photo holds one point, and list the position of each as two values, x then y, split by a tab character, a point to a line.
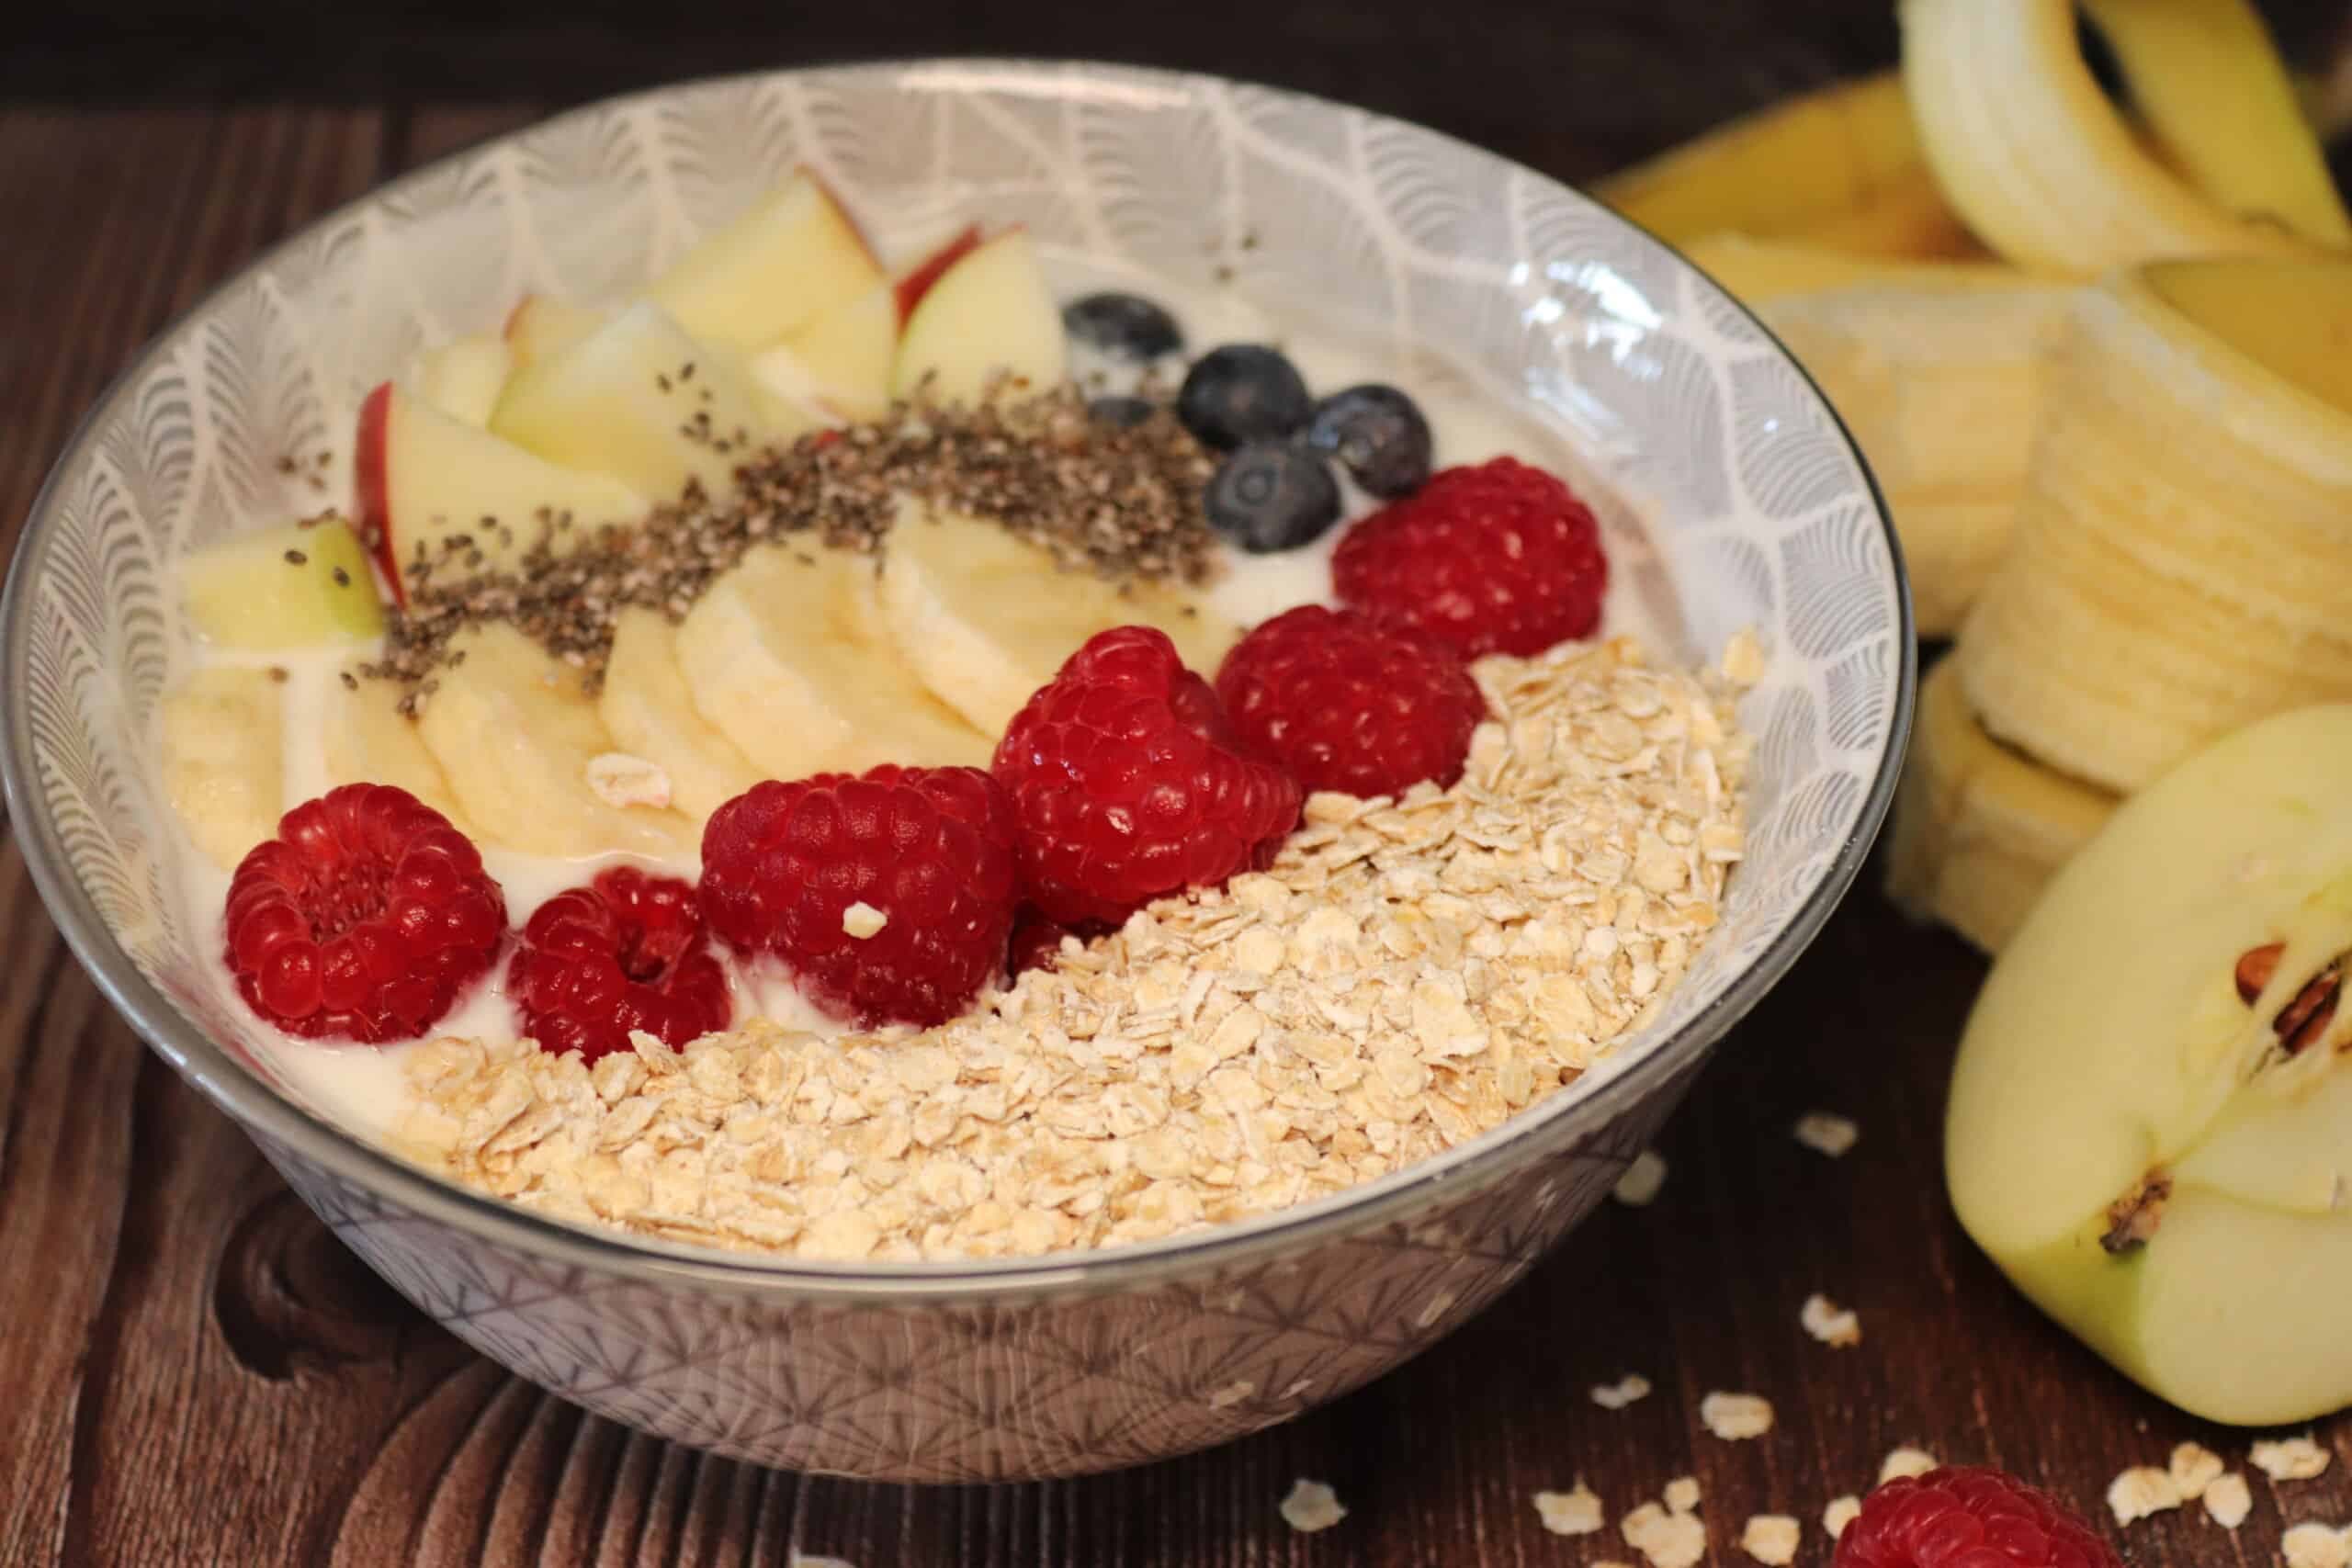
1731	497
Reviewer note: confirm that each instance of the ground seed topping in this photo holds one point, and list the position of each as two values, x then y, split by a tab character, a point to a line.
1120	502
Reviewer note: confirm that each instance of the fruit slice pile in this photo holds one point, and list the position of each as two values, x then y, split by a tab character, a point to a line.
1913	238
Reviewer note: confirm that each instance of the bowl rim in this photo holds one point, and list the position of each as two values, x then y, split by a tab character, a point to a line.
391	1180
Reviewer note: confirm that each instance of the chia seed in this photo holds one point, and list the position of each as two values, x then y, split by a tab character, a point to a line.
1121	503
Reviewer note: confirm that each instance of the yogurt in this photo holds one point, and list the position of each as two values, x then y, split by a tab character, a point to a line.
366	1088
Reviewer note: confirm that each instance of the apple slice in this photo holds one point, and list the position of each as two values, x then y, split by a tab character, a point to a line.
794	392
424	477
790	258
641	400
909	288
989	317
845	356
462	378
540	328
299	586
2150	1117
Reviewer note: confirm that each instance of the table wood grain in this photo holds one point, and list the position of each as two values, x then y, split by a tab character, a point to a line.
194	1372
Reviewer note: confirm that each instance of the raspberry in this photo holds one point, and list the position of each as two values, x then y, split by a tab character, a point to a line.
929	851
627	951
1965	1517
1130	785
1349	705
363	919
1499	558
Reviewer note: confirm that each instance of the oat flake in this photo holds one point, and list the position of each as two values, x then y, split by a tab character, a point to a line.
1771	1539
2317	1546
1904	1461
2290	1459
1841	1512
1311	1506
2141	1492
1826	1133
2228	1500
1643	1178
1622	1393
1668	1541
2194	1467
1829	1322
1570	1513
1681	1494
862	919
1734	1416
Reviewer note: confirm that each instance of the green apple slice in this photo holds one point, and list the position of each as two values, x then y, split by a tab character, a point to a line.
2150	1128
303	585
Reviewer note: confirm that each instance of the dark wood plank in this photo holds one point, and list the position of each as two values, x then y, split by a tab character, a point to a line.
198	1373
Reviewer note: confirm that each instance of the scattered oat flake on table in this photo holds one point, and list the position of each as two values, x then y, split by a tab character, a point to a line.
1668	1541
1640	1181
2194	1468
1841	1512
1570	1513
1682	1495
1733	1417
2141	1491
1827	1133
1312	1507
1903	1462
1828	1322
2317	1546
1771	1539
2290	1459
795	1558
1624	1391
2228	1500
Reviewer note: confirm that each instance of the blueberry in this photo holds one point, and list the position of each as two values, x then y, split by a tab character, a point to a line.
1121	413
1242	393
1378	433
1124	326
1272	495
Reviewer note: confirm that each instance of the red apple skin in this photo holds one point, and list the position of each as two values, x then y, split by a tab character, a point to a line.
917	282
371	476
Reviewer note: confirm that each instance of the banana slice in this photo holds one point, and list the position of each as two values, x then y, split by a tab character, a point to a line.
223	759
1943	388
2178	564
1979	830
2030	153
2150	1127
1811	158
787	656
2209	80
985	618
366	739
514	730
646	706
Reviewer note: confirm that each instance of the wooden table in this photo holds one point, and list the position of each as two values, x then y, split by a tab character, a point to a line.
196	1372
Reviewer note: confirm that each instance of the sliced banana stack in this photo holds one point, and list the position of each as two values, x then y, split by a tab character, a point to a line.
367	739
1979	829
787	656
223	759
1941	385
650	711
985	618
516	731
2180	561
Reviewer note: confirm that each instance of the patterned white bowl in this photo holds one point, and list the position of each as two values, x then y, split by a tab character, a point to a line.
1732	496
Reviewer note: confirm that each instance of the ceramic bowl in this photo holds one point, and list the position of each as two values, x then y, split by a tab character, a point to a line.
1730	493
